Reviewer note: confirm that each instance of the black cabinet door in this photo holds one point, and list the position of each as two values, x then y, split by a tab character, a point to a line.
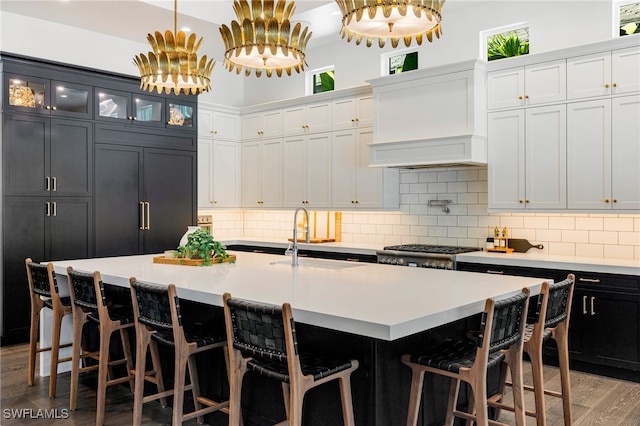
70	234
25	223
579	326
118	194
71	158
26	152
170	189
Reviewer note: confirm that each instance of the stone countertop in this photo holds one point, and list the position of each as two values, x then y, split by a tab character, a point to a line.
548	261
378	301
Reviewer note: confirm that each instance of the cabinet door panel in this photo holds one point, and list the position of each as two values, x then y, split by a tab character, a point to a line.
579	326
118	193
589	155
343	113
205	173
294	120
506	160
625	69
294	171
545	82
589	75
226	174
271	172
318	170
170	190
368	179
625	152
251	194
71	228
318	117
505	88
26	153
344	155
71	157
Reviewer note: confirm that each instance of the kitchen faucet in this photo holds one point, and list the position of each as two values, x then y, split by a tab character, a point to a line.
293	249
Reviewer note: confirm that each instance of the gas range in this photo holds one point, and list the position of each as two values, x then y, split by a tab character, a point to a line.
422	255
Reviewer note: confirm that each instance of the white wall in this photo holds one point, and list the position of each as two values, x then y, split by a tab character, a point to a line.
553	25
61	43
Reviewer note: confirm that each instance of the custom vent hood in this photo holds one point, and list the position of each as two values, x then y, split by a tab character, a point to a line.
433	117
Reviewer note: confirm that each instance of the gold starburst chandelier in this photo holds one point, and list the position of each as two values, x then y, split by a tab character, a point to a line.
263	38
390	19
173	64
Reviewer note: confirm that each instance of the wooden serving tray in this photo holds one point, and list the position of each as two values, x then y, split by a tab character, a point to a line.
190	262
501	250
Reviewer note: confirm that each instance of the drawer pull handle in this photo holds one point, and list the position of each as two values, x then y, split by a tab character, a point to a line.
489	271
589	280
593	309
584	305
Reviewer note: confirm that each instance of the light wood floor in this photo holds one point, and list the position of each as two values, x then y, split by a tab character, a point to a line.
596	400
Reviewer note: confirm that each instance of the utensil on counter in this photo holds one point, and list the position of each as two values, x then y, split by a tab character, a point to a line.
521	245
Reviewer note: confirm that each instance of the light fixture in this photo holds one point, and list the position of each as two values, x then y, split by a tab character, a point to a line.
390	19
173	64
263	38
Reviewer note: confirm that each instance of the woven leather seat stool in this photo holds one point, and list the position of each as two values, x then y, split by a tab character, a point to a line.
551	321
499	340
262	339
44	294
158	320
90	304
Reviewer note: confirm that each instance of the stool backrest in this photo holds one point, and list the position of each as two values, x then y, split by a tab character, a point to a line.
258	330
87	291
554	305
504	322
42	279
158	308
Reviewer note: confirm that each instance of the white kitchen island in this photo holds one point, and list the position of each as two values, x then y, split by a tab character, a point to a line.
371	312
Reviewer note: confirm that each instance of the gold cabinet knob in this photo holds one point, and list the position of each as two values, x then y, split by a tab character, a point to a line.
606	200
210	131
357	119
606	86
615	200
526	96
48	107
520	201
55	108
614	85
520	98
526	201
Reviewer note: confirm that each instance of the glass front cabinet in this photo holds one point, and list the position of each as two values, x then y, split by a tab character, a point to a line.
47	97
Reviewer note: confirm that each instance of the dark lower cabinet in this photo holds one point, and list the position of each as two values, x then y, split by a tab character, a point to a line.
604	329
145	198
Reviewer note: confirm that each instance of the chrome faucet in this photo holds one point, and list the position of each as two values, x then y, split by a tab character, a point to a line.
293	248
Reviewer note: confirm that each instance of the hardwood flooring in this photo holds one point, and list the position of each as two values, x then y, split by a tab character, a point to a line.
597	400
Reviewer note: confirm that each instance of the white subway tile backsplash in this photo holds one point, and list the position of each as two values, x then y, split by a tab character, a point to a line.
603	237
590	250
536	222
618	224
457	187
629	238
554	235
562	222
512	222
619	251
590	223
572	236
562	249
437	188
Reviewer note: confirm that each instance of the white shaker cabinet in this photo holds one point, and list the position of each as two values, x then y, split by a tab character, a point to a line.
262	125
601	74
307	171
219	125
307	118
604	154
527	159
262	173
529	85
355	184
350	112
218	173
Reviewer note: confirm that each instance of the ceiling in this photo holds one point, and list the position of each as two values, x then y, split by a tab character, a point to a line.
133	19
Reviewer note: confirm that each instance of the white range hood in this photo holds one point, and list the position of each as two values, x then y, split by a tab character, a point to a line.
433	117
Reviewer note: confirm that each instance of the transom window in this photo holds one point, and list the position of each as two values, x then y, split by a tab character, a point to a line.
505	42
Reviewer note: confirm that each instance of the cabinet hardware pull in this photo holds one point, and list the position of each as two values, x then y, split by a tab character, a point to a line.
48	208
55	183
615	200
589	280
593	309
55	108
146	203
48	107
614	85
350	259
47	183
606	86
526	201
357	119
142	215
520	201
490	271
520	98
55	209
526	96
584	305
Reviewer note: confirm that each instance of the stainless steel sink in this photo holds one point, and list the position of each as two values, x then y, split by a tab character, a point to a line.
318	263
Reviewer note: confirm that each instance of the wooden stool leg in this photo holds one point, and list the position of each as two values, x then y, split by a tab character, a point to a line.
514	360
128	356
236	375
178	384
195	385
33	341
285	395
479	389
103	373
347	403
561	337
55	349
78	322
142	342
537	365
452	401
157	368
296	399
417	379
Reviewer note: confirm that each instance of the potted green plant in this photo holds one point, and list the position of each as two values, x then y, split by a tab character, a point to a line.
505	46
201	245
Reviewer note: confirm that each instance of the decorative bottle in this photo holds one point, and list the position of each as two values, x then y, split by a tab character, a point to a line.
185	237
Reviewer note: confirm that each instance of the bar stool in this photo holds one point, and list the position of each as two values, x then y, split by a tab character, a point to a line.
262	339
43	283
498	340
90	304
551	321
158	320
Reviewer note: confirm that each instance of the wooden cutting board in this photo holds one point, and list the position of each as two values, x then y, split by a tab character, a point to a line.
523	245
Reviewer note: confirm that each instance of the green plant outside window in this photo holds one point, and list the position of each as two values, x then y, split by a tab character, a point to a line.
403	63
629	19
506	45
324	81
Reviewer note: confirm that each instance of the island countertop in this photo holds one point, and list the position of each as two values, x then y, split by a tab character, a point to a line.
378	301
